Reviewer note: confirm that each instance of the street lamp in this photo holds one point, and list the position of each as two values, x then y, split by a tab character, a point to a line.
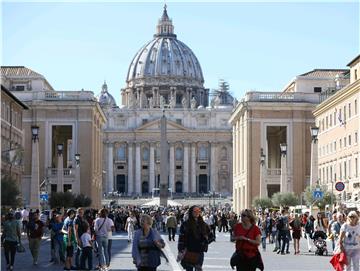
262	157
314	133
283	149
60	148
35	133
77	159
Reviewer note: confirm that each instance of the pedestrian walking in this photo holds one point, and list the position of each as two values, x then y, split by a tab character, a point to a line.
147	245
35	233
79	222
69	238
86	250
335	229
248	238
11	236
102	226
349	241
193	240
56	226
130	226
171	225
25	219
296	233
110	236
309	230
284	233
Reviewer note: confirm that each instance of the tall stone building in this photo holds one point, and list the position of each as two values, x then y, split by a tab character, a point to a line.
70	123
262	121
338	118
165	75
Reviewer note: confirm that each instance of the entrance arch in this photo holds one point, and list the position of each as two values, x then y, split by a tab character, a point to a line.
178	187
145	188
203	183
120	183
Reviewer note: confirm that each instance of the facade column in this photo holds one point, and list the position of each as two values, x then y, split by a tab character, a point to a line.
213	167
60	172
314	163
186	168
263	188
283	176
137	169
130	181
110	169
172	167
35	177
193	168
152	167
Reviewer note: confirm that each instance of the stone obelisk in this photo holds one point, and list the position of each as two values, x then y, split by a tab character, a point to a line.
164	168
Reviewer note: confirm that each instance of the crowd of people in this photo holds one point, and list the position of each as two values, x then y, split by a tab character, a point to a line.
82	239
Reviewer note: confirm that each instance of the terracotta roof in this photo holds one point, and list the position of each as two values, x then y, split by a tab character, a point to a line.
19	71
325	73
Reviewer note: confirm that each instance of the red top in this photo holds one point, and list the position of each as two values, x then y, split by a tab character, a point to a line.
249	249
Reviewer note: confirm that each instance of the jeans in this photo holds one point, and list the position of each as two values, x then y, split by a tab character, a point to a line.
59	255
86	254
34	246
109	249
285	240
10	251
172	232
77	256
353	257
263	242
103	250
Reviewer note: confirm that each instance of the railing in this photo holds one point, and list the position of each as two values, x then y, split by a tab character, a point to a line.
328	93
67	172
282	97
55	95
274	171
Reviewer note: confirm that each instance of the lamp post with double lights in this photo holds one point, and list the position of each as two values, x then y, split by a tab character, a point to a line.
283	177
35	174
314	156
60	167
263	188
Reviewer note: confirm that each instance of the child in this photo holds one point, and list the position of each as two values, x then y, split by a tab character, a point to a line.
86	252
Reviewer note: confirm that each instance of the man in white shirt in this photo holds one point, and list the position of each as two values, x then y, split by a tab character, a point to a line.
25	219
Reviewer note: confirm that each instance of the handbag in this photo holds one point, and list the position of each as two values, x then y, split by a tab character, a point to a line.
191	257
20	248
238	255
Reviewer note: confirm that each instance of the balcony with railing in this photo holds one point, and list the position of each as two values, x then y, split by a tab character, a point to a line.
68	173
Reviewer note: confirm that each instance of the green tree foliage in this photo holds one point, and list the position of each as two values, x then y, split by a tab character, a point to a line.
82	201
10	193
285	199
262	202
328	198
61	199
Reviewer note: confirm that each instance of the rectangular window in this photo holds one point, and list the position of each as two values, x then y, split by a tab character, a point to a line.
340	170
334	118
349	106
356	137
349	168
327	122
355	103
334	145
344	113
120	167
20	88
144	121
178	167
202	167
349	140
344	142
330	120
345	170
340	143
144	167
179	121
356	167
317	89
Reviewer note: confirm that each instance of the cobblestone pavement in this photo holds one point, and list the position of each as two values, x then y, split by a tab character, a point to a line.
216	259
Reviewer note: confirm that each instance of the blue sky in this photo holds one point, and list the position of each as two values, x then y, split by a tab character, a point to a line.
254	46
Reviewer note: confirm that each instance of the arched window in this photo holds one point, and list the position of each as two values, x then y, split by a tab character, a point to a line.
203	153
145	154
178	154
121	154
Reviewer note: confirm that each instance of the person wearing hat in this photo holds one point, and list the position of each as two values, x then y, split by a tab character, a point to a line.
349	241
11	233
69	238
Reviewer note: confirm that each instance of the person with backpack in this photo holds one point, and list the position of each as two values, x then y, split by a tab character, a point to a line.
284	232
35	233
79	222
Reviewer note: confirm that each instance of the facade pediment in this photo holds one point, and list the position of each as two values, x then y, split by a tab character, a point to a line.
154	125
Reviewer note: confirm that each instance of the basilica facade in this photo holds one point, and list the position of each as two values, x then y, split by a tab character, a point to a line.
166	76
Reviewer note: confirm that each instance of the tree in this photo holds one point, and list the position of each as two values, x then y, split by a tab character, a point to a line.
328	197
262	202
285	199
82	201
61	199
10	193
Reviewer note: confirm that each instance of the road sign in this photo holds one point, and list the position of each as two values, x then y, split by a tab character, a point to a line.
318	195
44	197
339	186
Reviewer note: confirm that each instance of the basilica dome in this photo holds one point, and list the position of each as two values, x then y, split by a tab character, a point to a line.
105	98
163	58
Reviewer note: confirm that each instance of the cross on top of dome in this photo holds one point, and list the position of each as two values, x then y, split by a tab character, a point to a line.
165	26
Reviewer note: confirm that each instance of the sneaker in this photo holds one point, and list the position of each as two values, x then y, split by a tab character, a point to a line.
278	252
282	253
287	252
275	249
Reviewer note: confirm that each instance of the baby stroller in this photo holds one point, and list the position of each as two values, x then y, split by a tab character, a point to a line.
319	238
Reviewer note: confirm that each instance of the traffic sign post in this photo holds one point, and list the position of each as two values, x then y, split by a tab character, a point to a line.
339	186
318	194
44	197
